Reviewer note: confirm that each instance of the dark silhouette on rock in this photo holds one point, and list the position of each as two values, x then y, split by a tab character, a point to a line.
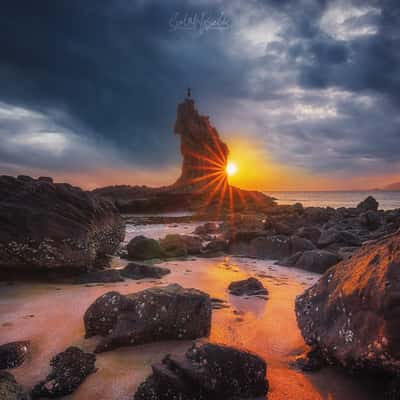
207	372
158	313
13	354
69	370
352	313
49	226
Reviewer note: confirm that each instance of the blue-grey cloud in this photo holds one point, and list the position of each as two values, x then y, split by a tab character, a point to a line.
314	80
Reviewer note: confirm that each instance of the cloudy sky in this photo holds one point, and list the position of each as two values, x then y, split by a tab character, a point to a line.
305	92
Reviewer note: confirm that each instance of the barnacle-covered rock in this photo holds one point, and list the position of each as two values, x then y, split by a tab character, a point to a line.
53	226
158	313
205	372
69	370
352	314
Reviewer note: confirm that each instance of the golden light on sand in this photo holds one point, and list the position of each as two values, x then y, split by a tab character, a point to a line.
231	168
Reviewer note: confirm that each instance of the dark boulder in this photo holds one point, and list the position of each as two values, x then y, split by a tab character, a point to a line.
247	287
352	313
142	271
274	247
13	354
53	226
10	389
159	313
180	245
102	276
316	260
311	233
339	237
369	204
209	228
370	219
143	248
69	370
211	372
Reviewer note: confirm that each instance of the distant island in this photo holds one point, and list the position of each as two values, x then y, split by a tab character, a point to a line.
393	187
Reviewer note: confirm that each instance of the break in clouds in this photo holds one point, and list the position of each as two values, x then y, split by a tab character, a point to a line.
317	83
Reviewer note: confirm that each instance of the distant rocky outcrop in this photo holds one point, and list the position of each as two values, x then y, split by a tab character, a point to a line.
208	371
48	226
158	313
393	187
203	184
351	315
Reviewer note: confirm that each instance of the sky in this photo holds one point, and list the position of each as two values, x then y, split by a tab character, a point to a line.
306	93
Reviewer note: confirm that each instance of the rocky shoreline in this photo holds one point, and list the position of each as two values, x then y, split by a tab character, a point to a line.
349	317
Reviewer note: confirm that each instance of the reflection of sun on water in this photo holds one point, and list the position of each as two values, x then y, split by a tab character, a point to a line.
231	168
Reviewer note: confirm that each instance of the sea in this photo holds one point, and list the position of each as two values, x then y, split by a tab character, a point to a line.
336	199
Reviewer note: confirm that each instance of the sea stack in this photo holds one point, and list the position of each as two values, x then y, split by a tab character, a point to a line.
204	154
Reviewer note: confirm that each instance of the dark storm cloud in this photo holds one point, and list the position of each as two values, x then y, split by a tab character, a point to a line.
321	77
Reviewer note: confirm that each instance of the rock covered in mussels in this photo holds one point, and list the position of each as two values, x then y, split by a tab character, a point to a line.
352	313
208	371
69	370
158	313
13	354
10	389
142	271
46	225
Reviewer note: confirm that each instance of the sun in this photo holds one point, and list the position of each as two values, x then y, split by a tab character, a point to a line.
231	168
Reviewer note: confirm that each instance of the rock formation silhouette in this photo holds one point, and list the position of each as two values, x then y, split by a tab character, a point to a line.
204	154
203	183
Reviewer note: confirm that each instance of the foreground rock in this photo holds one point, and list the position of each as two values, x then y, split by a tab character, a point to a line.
54	226
248	287
352	313
143	248
13	354
159	313
106	276
69	370
312	260
180	245
10	389
142	271
206	372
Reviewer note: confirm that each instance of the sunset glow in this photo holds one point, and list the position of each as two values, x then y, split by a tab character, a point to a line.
231	168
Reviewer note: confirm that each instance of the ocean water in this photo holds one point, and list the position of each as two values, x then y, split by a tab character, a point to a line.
387	200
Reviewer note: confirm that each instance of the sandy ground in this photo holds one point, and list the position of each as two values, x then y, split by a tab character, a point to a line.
51	316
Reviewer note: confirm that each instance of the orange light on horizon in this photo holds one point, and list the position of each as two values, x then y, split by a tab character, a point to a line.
231	168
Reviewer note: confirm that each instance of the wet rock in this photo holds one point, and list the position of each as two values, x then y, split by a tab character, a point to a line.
370	219
10	389
49	226
313	361
69	370
311	233
143	248
247	287
316	261
158	313
105	276
13	354
369	204
345	253
206	372
352	313
180	245
142	271
334	236
209	228
273	247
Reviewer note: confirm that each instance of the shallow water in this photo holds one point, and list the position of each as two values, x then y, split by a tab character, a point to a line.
51	316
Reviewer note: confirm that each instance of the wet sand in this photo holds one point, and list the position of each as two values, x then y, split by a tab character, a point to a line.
51	316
